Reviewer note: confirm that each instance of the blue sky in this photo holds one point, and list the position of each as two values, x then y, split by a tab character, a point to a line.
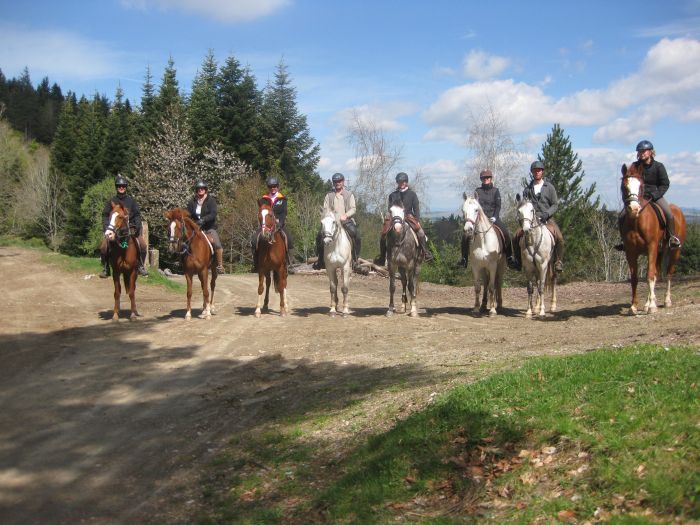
610	73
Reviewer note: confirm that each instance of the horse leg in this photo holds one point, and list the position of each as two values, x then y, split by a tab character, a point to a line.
477	288
347	270
404	297
553	302
492	295
530	289
132	292
392	289
333	283
413	290
211	292
650	306
266	304
261	289
203	275
634	279
540	289
282	288
117	294
188	313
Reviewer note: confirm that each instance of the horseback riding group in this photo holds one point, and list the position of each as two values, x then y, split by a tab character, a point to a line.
486	242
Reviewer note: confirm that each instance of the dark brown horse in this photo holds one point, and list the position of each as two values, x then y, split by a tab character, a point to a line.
187	240
123	256
272	258
643	235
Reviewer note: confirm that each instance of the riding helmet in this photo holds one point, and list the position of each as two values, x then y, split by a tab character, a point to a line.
337	177
644	145
272	181
401	177
537	165
485	174
120	181
201	184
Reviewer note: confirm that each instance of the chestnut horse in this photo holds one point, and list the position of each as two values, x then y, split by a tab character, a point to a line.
272	258
123	256
187	239
643	235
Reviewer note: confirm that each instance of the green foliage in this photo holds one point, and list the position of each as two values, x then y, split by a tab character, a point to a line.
203	117
120	139
91	209
689	262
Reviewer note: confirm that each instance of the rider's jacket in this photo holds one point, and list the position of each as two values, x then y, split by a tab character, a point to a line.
409	199
489	199
655	179
130	204
207	216
546	202
279	207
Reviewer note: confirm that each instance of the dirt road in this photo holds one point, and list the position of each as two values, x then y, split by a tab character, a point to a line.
105	422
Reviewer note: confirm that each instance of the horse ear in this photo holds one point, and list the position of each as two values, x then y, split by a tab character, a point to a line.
517	197
465	196
624	170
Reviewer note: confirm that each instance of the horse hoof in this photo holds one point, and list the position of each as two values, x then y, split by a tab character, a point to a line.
331	314
493	313
651	310
528	315
413	314
667	304
633	311
257	314
389	313
132	317
115	319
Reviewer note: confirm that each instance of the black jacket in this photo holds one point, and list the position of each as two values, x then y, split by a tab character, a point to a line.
656	181
490	200
546	203
279	208
130	204
409	200
206	219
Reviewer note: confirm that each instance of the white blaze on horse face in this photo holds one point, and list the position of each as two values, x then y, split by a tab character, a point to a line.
526	215
632	186
263	215
470	211
109	233
172	229
327	227
397	211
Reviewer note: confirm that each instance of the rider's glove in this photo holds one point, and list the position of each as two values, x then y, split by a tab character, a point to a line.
493	219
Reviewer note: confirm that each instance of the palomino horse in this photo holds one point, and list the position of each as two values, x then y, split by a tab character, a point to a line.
486	256
337	254
123	256
272	258
643	235
186	239
404	256
536	247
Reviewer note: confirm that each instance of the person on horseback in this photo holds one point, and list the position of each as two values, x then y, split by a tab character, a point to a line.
490	200
656	184
341	202
135	227
202	208
412	209
279	208
544	198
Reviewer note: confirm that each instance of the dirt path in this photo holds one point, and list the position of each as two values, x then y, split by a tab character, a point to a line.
107	422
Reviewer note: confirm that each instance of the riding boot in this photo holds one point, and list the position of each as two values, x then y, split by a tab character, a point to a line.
356	244
380	260
143	271
517	263
620	221
254	268
423	241
320	263
104	260
673	241
464	261
220	261
559	254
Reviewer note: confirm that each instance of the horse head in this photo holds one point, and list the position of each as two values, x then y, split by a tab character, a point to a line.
397	212
178	221
470	211
266	218
118	222
632	187
527	218
329	225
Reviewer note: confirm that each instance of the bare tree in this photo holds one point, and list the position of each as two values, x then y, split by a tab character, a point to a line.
43	193
376	159
238	218
492	146
304	220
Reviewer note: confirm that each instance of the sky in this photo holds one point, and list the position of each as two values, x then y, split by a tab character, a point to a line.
610	73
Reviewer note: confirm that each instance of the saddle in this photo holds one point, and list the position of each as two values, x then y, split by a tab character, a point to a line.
501	237
659	214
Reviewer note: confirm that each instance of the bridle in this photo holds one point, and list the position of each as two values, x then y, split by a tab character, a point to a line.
630	197
268	232
183	241
333	234
119	237
469	220
534	223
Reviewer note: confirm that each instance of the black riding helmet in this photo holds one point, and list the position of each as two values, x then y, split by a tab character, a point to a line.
272	181
337	177
537	165
644	145
401	177
200	184
120	181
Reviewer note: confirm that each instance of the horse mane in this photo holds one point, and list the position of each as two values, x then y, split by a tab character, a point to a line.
265	201
395	200
183	215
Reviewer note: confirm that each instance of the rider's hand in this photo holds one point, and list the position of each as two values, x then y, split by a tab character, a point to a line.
493	219
343	218
110	235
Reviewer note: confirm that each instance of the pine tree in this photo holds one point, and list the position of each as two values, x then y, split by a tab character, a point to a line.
148	115
288	148
168	101
564	170
203	118
120	148
21	104
239	108
66	137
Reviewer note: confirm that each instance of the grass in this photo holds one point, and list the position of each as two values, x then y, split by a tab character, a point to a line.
85	265
610	435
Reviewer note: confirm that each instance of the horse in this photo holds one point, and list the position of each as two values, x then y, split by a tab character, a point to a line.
272	258
643	235
187	239
337	254
486	256
123	257
404	256
537	248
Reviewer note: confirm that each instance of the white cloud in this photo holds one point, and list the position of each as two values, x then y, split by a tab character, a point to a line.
225	10
56	54
385	116
481	65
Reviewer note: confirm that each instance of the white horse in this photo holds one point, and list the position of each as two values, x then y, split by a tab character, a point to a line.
537	248
485	255
337	254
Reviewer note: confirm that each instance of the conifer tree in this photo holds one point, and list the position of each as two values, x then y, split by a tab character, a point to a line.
148	115
66	138
203	118
168	101
564	170
120	148
288	148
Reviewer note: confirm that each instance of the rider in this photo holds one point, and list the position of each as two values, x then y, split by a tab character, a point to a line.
202	208
341	202
135	227
279	208
656	184
544	198
412	209
490	201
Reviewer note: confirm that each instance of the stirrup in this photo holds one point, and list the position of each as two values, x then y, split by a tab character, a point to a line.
463	262
143	272
220	270
558	266
103	274
318	265
674	242
619	247
512	263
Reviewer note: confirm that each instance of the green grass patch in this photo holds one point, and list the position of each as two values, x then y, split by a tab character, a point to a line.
610	435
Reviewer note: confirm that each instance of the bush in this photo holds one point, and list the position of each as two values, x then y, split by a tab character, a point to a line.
91	210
